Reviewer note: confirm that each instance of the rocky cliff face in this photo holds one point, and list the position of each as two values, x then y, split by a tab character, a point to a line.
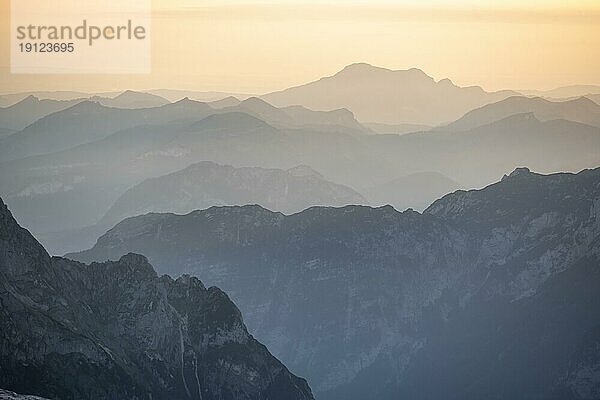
488	294
116	330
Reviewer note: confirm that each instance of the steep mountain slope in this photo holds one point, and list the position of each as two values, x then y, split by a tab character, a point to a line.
117	330
381	95
581	110
207	184
488	294
29	110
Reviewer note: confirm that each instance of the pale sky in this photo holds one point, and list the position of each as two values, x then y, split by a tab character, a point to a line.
256	47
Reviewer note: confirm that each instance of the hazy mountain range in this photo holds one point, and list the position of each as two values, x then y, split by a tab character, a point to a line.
340	216
475	156
63	172
564	91
29	110
207	184
117	330
581	110
489	293
80	184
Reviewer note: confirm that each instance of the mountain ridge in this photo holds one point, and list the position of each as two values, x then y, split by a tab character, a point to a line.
207	183
380	95
117	330
399	288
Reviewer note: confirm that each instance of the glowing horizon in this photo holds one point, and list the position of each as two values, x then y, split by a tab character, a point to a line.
257	47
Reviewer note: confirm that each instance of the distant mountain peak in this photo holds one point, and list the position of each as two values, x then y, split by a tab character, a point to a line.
585	101
526	116
519	171
30	99
88	106
132	93
136	265
303	170
129	91
367	69
187	102
184	101
256	101
231	120
362	66
417	71
446	82
381	95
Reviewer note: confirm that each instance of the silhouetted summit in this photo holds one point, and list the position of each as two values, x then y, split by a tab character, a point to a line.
382	95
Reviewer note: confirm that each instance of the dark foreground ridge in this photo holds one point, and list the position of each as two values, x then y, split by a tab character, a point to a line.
488	294
116	330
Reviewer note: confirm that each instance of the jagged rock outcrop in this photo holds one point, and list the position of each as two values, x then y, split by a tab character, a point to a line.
117	330
8	395
489	293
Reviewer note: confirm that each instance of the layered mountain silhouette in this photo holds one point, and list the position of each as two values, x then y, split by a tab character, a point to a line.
581	110
116	330
73	188
10	99
564	92
381	95
31	108
18	116
489	293
207	184
80	184
88	121
206	96
474	157
298	116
